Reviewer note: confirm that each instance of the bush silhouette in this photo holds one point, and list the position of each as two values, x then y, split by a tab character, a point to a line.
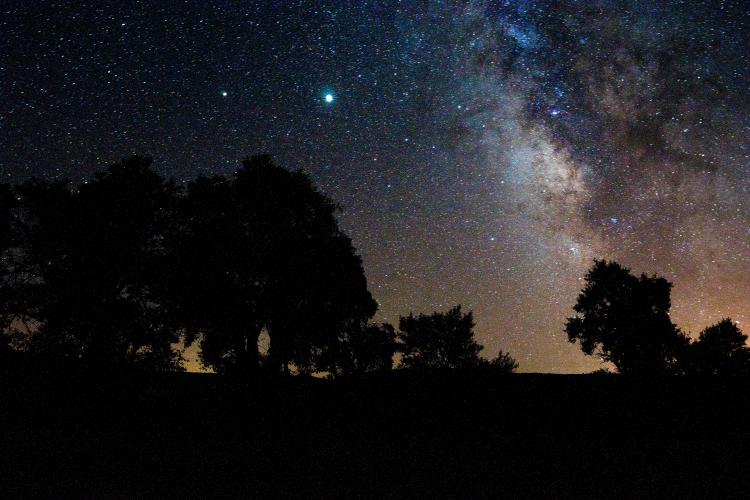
502	363
439	340
719	351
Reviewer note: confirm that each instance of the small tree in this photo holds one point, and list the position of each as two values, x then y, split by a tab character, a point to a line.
439	340
625	320
720	350
365	347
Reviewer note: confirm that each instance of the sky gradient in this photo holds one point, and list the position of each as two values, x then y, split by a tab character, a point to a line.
483	152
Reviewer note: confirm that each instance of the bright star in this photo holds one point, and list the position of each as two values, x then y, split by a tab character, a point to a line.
224	93
329	98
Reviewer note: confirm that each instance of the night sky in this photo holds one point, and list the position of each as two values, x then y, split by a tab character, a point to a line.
483	152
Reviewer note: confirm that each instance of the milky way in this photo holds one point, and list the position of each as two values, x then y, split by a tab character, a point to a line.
484	152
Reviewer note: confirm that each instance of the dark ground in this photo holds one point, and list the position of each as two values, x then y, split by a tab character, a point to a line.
391	435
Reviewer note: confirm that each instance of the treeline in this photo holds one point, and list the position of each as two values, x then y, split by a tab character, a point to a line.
125	270
624	319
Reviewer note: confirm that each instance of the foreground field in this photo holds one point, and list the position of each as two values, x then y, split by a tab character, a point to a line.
392	435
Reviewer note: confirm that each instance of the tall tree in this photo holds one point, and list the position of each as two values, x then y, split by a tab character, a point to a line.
88	259
259	251
439	340
212	284
625	320
720	350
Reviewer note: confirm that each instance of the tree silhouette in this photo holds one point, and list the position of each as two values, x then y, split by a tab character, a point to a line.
211	282
625	320
7	203
439	340
364	348
7	237
85	266
502	363
720	350
262	251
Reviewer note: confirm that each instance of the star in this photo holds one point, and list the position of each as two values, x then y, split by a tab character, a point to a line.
328	98
224	93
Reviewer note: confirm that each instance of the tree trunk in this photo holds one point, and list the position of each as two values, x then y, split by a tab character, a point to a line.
247	354
277	359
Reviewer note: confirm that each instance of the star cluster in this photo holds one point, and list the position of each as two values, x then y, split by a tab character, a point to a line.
484	152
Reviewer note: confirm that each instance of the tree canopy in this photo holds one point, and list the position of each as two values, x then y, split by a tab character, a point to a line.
625	320
120	269
79	279
720	350
439	340
367	347
445	340
262	251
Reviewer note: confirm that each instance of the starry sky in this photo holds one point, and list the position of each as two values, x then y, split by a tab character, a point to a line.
484	152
